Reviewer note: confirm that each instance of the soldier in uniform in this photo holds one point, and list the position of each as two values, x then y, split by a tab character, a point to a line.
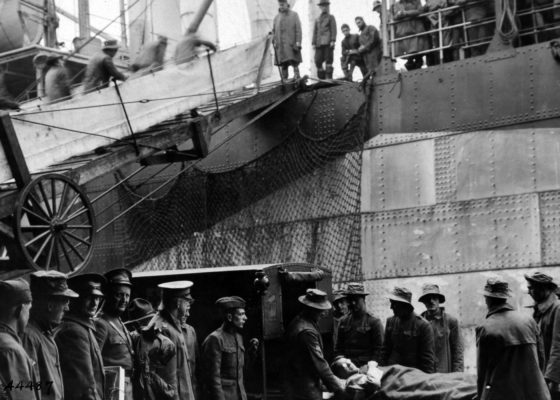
152	351
175	304
286	38
350	58
542	289
101	68
360	334
223	353
80	358
447	336
324	38
50	302
305	367
193	351
111	334
16	368
341	308
409	338
507	359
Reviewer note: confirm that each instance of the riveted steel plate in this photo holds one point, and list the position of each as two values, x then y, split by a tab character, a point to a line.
445	169
398	176
550	226
389	139
463	298
547	160
387	106
452	237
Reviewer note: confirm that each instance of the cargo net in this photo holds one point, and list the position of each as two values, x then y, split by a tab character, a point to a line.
300	202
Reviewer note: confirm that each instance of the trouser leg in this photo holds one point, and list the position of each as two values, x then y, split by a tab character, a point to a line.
329	61
296	71
319	60
284	69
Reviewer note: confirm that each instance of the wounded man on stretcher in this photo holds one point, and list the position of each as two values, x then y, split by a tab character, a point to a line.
396	382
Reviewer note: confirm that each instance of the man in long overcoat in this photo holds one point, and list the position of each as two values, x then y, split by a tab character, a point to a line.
286	38
101	68
16	367
50	302
305	367
406	13
80	358
542	289
323	41
409	338
111	334
447	336
175	302
507	359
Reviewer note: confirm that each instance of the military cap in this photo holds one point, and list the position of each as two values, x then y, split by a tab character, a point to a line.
541	279
339	295
140	309
50	283
229	302
431	289
496	288
87	284
119	276
110	44
355	289
323	3
315	298
176	289
14	292
401	294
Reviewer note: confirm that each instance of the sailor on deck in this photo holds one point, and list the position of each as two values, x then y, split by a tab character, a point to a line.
101	68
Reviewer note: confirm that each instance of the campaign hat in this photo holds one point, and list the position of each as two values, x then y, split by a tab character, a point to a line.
50	283
230	302
355	289
315	298
431	289
401	294
14	292
87	284
496	288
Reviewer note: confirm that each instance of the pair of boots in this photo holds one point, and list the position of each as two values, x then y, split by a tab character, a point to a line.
285	72
325	73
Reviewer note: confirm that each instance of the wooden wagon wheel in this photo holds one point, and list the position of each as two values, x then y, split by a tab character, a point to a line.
55	224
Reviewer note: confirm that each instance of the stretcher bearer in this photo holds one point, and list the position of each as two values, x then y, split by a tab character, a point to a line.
51	296
111	334
447	336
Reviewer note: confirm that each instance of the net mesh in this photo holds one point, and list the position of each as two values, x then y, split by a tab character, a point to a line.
300	202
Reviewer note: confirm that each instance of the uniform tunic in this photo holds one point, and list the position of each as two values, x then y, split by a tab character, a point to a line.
193	352
448	342
223	356
176	372
305	366
360	338
409	342
370	47
38	342
99	71
286	32
324	32
80	359
547	316
507	361
15	366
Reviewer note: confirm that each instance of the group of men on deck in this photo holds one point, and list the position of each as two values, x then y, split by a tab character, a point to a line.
362	51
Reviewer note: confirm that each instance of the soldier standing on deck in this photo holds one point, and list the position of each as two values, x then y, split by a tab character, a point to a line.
286	38
80	358
111	334
542	289
50	302
360	334
175	304
447	337
370	45
16	368
223	353
409	338
324	38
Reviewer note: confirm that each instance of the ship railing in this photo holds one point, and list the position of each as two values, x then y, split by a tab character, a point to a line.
538	23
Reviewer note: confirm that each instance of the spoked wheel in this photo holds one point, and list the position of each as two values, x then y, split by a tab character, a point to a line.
55	224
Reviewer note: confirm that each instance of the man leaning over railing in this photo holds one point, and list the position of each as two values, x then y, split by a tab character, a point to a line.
407	12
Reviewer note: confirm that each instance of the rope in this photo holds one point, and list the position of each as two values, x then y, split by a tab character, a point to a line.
507	19
127	119
213	83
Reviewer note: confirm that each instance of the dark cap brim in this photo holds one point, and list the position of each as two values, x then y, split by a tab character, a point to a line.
66	293
536	281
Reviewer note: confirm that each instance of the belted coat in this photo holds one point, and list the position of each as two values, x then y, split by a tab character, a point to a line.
115	344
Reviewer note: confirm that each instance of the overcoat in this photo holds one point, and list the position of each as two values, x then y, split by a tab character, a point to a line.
223	356
409	25
286	32
324	30
80	359
547	315
38	342
193	352
15	367
507	360
115	345
448	342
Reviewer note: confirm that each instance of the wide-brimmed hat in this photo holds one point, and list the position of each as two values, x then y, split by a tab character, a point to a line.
431	289
315	298
496	288
540	278
401	294
355	289
110	44
140	309
119	276
50	283
87	284
338	295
